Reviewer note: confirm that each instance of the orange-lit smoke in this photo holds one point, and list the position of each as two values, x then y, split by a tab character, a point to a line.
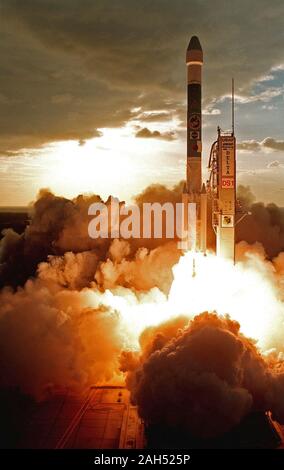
203	378
89	300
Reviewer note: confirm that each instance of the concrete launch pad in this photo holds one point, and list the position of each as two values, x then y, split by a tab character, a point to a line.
105	419
102	419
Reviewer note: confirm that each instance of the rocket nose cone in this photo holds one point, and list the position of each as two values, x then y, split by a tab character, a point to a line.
194	44
194	51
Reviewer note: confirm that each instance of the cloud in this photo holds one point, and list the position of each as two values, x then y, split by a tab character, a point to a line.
273	164
267	185
269	107
211	111
62	98
264	96
202	379
273	144
265	78
267	143
264	224
154	116
71	67
145	133
59	225
249	145
60	328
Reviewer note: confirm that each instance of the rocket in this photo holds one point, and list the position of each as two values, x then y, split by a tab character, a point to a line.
194	62
215	201
194	191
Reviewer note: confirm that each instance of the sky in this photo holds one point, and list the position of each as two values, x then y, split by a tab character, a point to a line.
93	93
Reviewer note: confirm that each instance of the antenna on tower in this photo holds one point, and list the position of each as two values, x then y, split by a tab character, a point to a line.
233	106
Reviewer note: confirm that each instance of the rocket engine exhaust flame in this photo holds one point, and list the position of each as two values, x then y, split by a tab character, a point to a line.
246	291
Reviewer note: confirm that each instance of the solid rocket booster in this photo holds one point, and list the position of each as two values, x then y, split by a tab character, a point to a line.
193	190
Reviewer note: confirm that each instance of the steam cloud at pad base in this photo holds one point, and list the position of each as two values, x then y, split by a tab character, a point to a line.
97	312
202	379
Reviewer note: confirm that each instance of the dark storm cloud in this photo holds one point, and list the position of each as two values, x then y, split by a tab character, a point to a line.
48	97
71	67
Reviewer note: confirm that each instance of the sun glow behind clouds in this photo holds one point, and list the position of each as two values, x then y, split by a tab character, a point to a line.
116	163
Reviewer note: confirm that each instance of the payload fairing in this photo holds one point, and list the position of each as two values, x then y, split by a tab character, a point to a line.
215	201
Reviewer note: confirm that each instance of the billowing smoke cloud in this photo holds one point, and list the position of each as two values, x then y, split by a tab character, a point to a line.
72	270
58	226
59	328
72	304
203	378
53	337
160	193
146	270
264	223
